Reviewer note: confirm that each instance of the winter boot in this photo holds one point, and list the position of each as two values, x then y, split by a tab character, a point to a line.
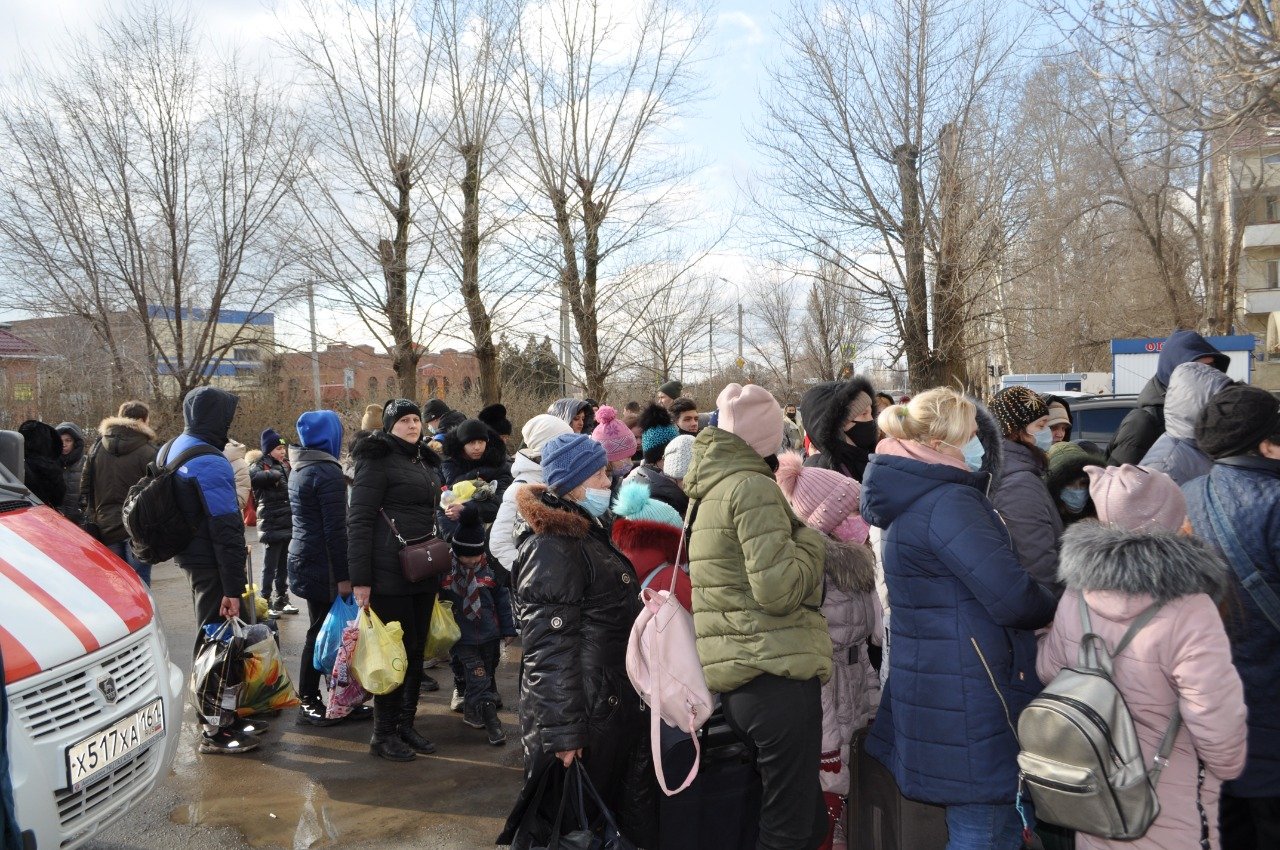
456	701
472	716
492	725
386	741
414	739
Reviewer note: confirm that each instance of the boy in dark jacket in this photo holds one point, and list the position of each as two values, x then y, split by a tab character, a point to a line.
270	478
482	608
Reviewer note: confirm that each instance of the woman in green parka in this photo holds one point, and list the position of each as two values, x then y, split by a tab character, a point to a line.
756	572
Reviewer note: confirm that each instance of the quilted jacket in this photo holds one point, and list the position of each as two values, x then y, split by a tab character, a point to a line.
318	501
964	611
756	571
1028	510
1176	452
1248	492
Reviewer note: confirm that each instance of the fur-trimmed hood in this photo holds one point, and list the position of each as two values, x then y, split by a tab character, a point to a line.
379	444
121	436
851	566
548	514
824	408
494	457
992	439
1163	566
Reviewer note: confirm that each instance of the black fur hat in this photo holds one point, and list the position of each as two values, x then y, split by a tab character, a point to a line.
495	416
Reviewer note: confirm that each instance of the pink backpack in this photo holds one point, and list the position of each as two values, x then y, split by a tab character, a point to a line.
663	665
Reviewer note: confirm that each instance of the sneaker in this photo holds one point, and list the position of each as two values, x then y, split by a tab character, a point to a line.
250	726
429	684
492	725
272	611
311	713
472	717
360	712
456	701
227	742
284	606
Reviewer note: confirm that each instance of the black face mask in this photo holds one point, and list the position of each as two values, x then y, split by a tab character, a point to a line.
864	435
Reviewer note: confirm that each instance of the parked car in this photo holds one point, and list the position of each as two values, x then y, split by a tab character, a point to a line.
95	703
1097	418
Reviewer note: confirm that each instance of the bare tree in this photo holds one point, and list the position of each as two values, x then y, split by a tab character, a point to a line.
150	189
674	323
834	323
776	330
373	69
884	131
597	86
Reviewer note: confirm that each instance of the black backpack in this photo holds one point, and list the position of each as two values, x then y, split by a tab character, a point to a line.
158	527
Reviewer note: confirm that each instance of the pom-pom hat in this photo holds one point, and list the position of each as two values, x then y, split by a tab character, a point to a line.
636	503
825	500
612	433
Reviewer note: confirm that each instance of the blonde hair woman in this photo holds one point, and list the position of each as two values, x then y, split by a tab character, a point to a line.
964	611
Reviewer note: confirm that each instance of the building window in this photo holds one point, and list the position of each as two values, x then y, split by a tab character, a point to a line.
1273	274
373	388
466	385
1273	208
245	354
432	387
23	392
1273	159
295	389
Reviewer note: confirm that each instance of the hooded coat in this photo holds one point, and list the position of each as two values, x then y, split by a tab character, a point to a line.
825	408
207	494
1061	474
852	694
1182	657
576	598
568	408
756	571
493	466
402	479
1247	491
270	481
1030	512
1145	423
1176	452
662	487
962	603
317	494
43	475
238	453
119	460
72	469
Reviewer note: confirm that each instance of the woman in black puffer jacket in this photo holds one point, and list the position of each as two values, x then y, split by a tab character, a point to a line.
576	598
269	476
397	474
474	452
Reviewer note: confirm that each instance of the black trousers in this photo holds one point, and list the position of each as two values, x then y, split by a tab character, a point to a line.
781	719
275	572
1249	823
479	665
308	675
413	612
206	598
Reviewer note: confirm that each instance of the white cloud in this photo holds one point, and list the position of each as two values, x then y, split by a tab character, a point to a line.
750	31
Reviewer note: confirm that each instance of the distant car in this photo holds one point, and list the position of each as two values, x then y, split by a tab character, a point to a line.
1097	418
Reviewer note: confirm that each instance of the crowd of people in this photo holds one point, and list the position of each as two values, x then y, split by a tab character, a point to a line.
911	571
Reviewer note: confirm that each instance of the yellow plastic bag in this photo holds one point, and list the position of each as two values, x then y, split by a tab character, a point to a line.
444	631
266	684
380	660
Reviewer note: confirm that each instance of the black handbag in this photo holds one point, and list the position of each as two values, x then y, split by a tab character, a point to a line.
575	789
423	558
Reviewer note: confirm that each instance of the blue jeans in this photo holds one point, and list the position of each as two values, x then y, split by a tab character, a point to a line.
124	550
979	826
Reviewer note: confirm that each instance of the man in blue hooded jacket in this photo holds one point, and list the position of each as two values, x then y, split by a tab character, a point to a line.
214	560
1145	423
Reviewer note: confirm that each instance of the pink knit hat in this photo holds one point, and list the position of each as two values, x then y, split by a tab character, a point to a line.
618	441
825	500
1136	499
753	414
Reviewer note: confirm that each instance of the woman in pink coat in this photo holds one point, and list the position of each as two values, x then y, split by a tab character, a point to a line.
1132	557
828	502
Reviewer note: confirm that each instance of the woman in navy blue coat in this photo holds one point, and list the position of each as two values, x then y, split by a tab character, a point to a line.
318	548
964	615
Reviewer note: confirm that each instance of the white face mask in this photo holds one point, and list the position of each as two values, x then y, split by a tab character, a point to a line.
596	501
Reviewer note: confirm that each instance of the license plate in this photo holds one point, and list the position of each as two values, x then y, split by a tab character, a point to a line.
106	747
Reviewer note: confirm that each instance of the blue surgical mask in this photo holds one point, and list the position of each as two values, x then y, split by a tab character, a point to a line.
974	452
1075	498
1044	439
595	502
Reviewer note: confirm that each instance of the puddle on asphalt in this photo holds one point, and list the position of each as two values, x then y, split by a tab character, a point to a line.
303	790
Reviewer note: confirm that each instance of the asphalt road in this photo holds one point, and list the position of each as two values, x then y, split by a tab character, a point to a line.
318	787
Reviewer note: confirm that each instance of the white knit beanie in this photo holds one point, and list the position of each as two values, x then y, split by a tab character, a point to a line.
540	430
678	456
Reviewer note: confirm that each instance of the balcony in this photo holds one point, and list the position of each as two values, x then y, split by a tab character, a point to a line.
1262	236
1262	301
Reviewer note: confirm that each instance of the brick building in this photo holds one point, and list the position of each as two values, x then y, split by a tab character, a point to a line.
358	374
20	390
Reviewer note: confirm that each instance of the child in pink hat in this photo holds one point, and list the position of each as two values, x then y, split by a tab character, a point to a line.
828	502
618	440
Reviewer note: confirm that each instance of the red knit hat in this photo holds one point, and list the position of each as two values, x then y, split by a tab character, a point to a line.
825	500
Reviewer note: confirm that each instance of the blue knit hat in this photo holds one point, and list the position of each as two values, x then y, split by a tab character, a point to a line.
636	503
570	459
272	440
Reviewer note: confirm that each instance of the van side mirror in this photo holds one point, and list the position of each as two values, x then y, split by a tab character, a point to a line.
12	448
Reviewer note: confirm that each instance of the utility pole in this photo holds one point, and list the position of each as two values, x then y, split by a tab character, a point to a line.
740	357
711	349
564	340
315	346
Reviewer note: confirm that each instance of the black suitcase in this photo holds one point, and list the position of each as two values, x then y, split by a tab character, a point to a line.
880	818
721	809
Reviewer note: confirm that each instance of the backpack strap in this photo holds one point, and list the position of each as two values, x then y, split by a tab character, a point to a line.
199	449
1252	580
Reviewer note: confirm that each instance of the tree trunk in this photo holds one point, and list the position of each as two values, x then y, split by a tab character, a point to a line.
395	270
915	326
948	290
477	314
588	330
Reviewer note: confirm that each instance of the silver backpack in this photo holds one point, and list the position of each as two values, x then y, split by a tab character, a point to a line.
1081	758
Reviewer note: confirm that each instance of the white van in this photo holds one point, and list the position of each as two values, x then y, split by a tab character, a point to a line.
95	704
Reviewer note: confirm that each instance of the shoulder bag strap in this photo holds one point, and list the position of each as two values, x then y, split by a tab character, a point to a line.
1252	580
1092	644
394	530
